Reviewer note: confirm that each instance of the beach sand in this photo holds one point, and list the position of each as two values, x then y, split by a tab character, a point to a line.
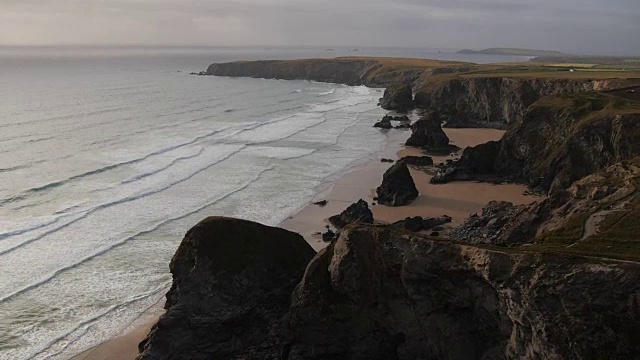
458	200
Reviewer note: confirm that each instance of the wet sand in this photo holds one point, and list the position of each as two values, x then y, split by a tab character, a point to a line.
458	200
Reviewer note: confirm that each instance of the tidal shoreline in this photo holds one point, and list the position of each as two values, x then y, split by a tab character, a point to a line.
457	200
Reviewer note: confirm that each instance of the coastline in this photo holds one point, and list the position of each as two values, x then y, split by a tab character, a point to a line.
457	200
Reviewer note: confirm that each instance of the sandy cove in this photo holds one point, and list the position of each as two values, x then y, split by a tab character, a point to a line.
457	199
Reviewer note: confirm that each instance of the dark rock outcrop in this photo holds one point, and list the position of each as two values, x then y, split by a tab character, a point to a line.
503	224
427	133
418	223
476	163
397	96
403	126
383	124
418	161
378	294
358	212
397	188
561	139
492	101
373	72
396	118
596	215
328	235
232	282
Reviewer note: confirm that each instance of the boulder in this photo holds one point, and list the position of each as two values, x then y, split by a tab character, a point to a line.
397	188
403	126
410	224
418	161
375	293
397	96
476	163
427	133
328	235
383	124
232	282
321	203
396	118
386	160
358	212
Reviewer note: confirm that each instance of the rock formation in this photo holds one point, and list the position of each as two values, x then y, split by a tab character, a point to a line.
398	96
560	140
383	124
427	133
417	161
418	223
358	212
397	188
232	282
378	294
596	215
492	101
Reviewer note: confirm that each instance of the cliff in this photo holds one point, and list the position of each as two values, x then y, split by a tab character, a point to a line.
232	282
491	101
373	72
466	95
381	293
560	139
597	216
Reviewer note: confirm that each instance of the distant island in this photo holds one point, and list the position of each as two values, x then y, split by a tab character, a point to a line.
511	51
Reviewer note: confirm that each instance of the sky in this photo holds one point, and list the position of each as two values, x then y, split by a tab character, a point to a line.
578	26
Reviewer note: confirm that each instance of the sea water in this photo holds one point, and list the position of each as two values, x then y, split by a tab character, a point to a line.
109	155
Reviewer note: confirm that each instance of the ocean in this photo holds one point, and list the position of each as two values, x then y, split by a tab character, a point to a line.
109	155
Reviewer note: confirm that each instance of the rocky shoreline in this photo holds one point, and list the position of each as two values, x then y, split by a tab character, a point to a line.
557	278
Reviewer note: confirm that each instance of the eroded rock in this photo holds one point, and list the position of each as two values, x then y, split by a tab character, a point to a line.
358	212
232	282
397	188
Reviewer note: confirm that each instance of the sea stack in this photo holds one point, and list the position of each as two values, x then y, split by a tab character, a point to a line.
397	187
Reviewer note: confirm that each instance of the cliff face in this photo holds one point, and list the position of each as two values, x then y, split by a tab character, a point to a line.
466	95
380	294
348	71
559	140
232	282
492	101
597	216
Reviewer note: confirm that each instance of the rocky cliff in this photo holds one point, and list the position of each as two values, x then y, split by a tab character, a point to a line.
373	72
466	95
232	282
597	216
560	139
381	293
491	101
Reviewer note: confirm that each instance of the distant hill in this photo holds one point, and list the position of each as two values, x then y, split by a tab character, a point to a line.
512	51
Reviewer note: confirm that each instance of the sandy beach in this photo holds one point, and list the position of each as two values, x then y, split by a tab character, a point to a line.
458	200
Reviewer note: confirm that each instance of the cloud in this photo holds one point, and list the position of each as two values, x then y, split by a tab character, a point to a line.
570	25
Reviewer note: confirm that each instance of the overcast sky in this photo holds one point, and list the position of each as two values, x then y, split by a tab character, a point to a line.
570	25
